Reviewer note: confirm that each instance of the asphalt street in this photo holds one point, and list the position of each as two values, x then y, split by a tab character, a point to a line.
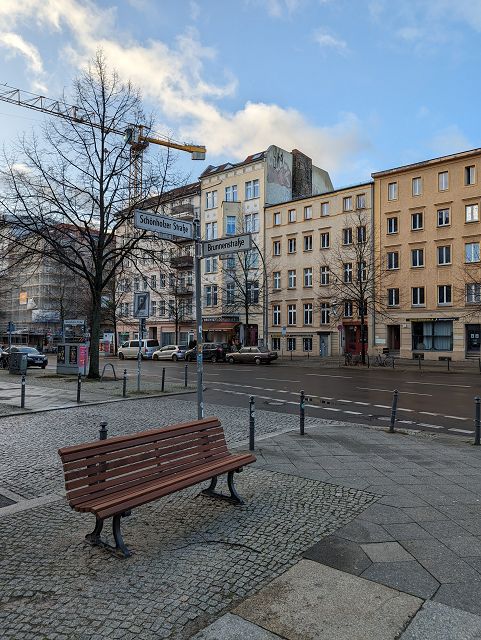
430	401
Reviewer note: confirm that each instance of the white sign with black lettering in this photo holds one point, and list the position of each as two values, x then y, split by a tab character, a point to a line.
234	244
163	225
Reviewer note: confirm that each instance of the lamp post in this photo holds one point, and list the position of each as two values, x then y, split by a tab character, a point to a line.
265	304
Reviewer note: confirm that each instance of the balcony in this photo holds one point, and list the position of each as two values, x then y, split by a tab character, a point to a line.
181	289
231	208
182	262
183	211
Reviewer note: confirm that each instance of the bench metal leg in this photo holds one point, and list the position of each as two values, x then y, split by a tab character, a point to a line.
210	489
94	537
234	496
119	541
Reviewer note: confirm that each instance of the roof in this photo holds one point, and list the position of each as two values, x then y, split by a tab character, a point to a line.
325	194
211	169
426	163
186	191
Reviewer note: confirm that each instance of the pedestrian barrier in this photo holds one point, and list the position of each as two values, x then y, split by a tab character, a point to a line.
108	364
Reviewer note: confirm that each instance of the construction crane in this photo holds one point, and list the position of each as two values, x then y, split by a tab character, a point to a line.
133	134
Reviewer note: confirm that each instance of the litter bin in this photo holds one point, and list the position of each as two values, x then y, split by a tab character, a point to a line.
17	362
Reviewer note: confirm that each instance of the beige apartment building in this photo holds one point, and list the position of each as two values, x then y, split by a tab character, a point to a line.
427	234
319	251
233	197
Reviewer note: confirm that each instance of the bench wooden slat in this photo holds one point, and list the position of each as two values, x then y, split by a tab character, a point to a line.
76	452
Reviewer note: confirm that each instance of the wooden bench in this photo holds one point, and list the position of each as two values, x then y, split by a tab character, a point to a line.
110	477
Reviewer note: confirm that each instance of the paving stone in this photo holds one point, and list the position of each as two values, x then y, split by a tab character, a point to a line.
463	545
340	554
362	531
465	596
427	548
409	577
232	627
437	621
386	552
383	514
443	529
447	570
423	514
408	531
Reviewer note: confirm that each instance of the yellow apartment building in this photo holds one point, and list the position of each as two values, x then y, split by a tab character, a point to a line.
311	245
427	235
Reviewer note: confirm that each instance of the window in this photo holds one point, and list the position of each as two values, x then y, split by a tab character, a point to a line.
291	344
393	260
325	313
210	265
308	313
324	208
251	260
444	255
361	234
276	344
291	245
348	309
443	181
276	315
308	277
252	189
153	282
416	221
473	292
347	236
253	292
307	243
211	231
291	314
444	294
136	284
472	214
443	217
347	203
325	240
145	283
417	257
392	225
162	280
291	278
393	297
362	271
291	215
210	199
171	280
324	275
471	251
361	201
307	213
277	218
276	248
417	294
231	193
307	344
417	187
161	307
210	295
392	191
230	261
434	335
153	308
251	222
276	280
347	272
469	175
230	225
230	293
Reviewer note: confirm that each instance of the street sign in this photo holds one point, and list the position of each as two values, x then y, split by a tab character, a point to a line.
234	244
166	226
141	304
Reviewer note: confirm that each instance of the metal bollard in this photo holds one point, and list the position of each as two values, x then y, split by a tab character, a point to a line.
393	410
419	363
22	396
477	421
185	376
252	424
302	413
124	384
163	379
79	386
103	431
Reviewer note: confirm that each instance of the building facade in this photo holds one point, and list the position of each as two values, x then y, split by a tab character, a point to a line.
427	234
320	253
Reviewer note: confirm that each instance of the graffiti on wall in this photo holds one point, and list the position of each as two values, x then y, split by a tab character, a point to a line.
278	175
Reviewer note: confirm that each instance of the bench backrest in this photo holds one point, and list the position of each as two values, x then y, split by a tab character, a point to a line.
123	462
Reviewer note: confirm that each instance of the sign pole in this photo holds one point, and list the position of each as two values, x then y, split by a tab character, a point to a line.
198	318
139	355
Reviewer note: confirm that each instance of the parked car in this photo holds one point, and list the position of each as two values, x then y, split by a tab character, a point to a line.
34	357
130	349
211	352
170	352
252	355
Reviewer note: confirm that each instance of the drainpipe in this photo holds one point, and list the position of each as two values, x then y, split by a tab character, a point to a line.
373	258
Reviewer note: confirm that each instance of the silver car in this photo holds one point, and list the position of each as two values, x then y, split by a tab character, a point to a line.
170	352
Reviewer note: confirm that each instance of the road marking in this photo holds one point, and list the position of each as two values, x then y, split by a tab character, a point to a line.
429	413
354	413
409	410
276	379
382	406
429	426
406	421
461	431
325	375
441	384
411	393
455	417
329	409
365	404
342	400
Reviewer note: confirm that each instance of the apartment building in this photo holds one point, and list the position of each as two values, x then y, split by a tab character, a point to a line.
165	269
427	234
321	270
233	197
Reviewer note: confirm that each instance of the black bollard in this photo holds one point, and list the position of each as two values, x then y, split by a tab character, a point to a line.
252	424
302	413
79	386
163	379
393	410
477	420
22	396
124	384
185	376
103	431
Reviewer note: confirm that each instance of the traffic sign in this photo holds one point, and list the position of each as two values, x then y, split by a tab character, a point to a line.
165	226
233	244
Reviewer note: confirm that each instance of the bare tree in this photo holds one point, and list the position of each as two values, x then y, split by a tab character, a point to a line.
68	195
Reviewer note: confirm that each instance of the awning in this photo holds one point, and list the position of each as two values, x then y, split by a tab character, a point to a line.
219	326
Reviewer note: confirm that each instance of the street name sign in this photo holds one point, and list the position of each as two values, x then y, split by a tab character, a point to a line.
234	244
165	226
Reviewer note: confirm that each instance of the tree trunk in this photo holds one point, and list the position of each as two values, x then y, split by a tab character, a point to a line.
363	343
95	337
247	341
116	340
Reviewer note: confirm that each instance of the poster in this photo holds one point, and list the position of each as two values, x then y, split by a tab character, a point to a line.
73	354
82	356
61	354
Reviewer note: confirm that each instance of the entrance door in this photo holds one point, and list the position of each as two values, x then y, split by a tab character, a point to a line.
473	338
394	337
324	345
353	338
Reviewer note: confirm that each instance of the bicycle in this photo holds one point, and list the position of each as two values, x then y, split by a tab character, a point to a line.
384	360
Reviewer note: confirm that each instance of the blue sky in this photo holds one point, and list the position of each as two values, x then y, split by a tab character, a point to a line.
359	85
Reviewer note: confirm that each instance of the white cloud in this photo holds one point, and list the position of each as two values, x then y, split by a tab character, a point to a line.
326	40
194	10
449	140
19	46
282	8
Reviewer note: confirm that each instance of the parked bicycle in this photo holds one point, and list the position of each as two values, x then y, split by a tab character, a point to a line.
384	360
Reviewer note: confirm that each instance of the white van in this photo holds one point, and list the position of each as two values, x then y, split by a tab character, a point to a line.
130	349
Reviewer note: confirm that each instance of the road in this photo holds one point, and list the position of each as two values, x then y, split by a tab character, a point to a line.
436	402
